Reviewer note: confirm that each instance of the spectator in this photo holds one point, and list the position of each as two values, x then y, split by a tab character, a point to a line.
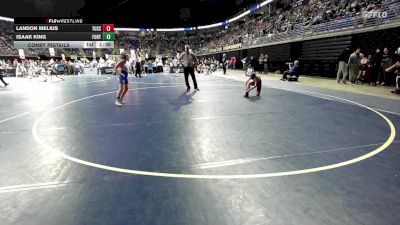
376	66
224	63
265	64
397	72
260	66
253	62
354	65
2	70
294	70
246	63
386	63
343	66
233	62
363	75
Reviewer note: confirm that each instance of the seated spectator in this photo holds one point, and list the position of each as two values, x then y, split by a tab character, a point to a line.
294	70
396	67
149	67
363	75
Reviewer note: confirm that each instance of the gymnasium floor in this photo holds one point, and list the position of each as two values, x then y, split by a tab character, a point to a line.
295	155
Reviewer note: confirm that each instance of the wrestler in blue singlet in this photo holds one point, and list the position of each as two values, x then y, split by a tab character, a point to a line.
123	77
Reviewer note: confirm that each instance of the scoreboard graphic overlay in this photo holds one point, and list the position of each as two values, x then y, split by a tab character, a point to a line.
62	33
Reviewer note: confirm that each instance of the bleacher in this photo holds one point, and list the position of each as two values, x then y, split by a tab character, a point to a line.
319	57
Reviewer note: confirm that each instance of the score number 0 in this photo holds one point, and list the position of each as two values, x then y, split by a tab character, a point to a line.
108	27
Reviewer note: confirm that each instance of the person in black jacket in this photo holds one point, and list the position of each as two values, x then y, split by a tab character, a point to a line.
384	76
224	63
396	67
376	66
138	69
343	66
2	70
1	79
253	62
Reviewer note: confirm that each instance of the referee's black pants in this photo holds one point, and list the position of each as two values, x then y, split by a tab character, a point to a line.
187	71
1	77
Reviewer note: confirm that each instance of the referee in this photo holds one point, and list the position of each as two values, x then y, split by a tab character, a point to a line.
188	60
2	70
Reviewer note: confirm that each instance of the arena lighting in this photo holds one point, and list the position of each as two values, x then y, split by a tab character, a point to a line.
266	2
189	28
209	26
145	30
239	16
6	19
126	29
253	9
169	29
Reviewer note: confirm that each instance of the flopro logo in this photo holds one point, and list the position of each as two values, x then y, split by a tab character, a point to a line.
375	14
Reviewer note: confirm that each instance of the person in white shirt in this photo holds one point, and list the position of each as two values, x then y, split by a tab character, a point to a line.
81	67
101	60
189	60
93	64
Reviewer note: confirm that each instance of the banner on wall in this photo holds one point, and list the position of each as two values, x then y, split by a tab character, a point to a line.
52	52
114	58
215	49
21	53
230	47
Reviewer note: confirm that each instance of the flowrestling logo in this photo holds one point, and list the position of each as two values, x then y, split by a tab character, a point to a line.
65	21
375	14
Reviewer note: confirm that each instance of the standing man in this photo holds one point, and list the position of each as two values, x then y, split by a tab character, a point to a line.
261	63
224	62
2	70
386	63
354	65
397	72
253	63
138	65
233	62
343	68
376	66
245	63
265	62
138	69
189	60
93	64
